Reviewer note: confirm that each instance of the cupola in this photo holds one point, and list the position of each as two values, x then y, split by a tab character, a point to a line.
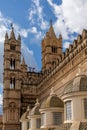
52	109
75	97
34	117
24	120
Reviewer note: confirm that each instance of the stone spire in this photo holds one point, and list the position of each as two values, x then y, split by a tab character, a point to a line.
51	30
60	36
23	61
12	35
19	37
6	36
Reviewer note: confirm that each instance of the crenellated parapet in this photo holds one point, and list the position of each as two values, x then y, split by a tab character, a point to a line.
70	58
66	61
51	48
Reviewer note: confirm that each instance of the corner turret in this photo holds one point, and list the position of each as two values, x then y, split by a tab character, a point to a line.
12	35
51	48
19	38
51	32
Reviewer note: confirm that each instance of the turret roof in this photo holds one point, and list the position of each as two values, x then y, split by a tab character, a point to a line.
51	32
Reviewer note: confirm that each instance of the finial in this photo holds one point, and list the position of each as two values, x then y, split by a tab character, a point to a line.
51	32
19	37
52	92
37	102
12	35
60	36
23	61
51	22
12	26
28	108
6	36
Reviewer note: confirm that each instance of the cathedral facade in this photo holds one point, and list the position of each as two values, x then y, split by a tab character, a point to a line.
62	73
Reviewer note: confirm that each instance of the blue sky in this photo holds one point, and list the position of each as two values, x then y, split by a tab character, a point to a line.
31	18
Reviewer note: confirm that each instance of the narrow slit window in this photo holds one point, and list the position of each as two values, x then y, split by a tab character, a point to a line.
12	64
12	83
68	110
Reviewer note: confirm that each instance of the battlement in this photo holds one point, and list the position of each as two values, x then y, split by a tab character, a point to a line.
69	58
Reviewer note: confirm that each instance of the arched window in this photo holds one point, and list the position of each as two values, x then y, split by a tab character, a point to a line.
54	49
12	111
12	83
12	64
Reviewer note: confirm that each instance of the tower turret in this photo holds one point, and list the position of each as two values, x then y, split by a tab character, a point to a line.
12	35
23	65
12	87
51	48
19	38
6	36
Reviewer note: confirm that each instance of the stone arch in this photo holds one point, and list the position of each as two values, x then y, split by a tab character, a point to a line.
12	111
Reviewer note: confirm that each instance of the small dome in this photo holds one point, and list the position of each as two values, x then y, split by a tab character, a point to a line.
79	83
35	109
24	115
52	101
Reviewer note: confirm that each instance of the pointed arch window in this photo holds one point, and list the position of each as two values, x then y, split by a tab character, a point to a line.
12	64
12	113
12	83
54	49
12	47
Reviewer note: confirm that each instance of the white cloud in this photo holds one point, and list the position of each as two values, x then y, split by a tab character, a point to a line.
33	30
2	32
29	57
56	9
23	32
71	17
75	15
37	10
32	12
66	45
28	54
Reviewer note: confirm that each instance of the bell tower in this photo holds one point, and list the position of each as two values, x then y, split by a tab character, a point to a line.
11	80
51	48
